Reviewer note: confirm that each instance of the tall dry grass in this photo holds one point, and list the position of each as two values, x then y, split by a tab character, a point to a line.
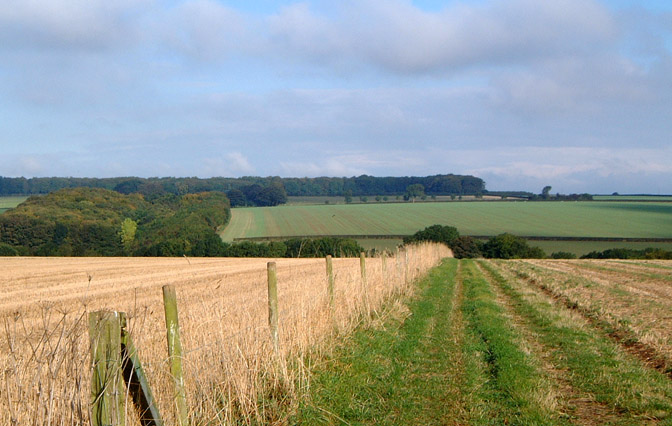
232	373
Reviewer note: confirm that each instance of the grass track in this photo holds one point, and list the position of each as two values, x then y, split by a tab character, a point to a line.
481	346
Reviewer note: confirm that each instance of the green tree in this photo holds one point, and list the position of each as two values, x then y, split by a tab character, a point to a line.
435	233
414	191
128	229
465	247
545	192
236	197
508	246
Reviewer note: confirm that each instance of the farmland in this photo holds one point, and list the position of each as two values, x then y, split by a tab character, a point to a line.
510	342
229	370
539	219
519	342
7	203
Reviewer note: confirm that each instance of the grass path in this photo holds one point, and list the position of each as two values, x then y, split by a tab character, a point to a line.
478	345
390	375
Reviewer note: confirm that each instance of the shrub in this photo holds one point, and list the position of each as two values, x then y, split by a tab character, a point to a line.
465	247
508	246
7	250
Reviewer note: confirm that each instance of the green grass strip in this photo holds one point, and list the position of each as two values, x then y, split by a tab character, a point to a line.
511	394
397	374
594	363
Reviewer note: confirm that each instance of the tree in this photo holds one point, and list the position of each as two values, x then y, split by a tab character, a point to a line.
414	191
435	233
127	234
236	197
508	246
545	192
465	247
348	196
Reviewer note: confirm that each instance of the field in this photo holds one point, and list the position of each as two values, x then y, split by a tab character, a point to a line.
535	342
476	342
632	197
539	219
7	203
231	371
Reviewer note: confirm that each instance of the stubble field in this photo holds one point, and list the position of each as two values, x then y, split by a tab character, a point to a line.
231	372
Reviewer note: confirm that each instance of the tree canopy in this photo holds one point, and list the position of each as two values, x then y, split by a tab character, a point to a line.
99	222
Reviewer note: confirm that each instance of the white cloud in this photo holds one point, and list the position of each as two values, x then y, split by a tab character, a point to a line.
67	24
207	30
398	36
230	164
571	168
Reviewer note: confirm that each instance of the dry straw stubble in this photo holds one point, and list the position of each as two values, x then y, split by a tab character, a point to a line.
231	371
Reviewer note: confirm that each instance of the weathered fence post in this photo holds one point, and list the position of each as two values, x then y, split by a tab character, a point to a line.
330	282
175	352
107	386
136	381
273	303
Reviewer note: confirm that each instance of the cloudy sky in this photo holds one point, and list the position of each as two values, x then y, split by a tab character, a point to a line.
576	94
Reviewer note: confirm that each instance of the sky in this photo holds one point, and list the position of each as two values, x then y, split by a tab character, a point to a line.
576	94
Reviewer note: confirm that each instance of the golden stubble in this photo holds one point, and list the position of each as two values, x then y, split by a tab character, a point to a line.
231	369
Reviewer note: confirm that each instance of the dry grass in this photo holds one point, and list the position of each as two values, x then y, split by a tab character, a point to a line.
231	372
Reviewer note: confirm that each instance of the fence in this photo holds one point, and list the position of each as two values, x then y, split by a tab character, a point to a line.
233	367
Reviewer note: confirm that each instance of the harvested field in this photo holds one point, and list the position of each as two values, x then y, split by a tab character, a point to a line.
492	342
231	373
631	300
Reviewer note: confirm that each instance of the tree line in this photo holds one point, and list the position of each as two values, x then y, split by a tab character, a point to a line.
509	246
100	222
363	185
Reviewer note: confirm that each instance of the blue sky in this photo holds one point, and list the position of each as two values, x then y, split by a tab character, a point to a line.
576	94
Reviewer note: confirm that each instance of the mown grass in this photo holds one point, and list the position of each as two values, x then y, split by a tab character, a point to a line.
453	360
390	375
514	391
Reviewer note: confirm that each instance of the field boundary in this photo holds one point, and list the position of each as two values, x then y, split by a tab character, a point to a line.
478	237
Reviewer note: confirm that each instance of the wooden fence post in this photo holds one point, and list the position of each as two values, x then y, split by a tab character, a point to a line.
273	303
175	352
137	383
330	282
107	386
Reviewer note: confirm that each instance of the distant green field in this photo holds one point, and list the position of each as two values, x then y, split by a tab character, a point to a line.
632	197
7	203
544	219
580	248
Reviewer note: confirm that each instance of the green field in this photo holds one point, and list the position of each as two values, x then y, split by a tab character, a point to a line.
596	219
632	197
542	219
7	203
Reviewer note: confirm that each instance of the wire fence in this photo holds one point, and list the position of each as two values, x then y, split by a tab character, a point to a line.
232	372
